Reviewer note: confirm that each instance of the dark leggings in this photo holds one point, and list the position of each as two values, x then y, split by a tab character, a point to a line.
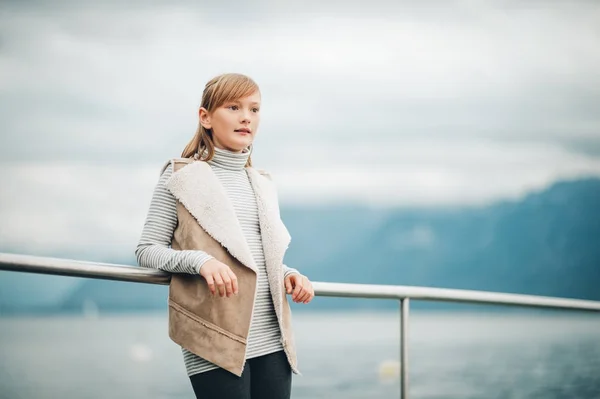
264	377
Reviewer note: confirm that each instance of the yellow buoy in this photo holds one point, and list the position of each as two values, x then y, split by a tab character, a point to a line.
389	371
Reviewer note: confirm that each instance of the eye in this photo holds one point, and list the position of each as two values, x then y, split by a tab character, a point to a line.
255	110
233	107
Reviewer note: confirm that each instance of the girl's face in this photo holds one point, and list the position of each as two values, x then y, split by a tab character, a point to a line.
234	124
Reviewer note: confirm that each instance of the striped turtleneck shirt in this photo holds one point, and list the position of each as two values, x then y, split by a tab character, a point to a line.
154	250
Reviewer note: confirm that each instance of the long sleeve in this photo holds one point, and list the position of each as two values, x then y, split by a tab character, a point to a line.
154	248
288	270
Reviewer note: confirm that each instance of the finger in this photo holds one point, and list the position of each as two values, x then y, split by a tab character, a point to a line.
301	291
305	295
309	290
234	282
312	293
299	294
311	296
297	290
227	282
288	284
220	284
211	284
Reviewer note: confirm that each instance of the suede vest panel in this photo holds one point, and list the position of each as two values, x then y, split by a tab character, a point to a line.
212	327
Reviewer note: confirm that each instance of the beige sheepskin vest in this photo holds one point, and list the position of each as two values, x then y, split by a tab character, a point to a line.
212	327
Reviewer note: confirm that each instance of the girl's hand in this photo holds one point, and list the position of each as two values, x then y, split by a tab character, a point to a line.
219	277
300	287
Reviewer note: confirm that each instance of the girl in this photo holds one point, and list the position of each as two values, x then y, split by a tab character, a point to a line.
214	223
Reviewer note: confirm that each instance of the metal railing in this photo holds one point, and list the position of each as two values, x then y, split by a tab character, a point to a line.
71	268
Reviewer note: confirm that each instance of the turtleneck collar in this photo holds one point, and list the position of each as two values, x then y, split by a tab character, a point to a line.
229	160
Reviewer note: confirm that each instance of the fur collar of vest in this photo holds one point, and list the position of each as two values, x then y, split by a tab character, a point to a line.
198	189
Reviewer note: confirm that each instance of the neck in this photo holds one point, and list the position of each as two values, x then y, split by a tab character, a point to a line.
230	160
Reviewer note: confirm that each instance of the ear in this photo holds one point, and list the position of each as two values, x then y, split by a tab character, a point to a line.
204	118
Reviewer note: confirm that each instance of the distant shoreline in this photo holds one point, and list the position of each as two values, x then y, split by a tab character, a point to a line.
415	311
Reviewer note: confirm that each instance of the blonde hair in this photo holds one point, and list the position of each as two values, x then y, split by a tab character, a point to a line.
218	91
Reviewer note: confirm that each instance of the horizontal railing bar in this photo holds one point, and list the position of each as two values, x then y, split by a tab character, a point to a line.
75	268
72	268
451	295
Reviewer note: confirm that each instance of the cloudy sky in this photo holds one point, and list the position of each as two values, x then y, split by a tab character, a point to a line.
429	104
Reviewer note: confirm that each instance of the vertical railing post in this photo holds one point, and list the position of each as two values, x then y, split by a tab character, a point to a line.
404	304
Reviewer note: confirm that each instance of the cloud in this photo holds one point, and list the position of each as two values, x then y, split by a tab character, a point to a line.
425	172
76	208
53	208
428	104
98	80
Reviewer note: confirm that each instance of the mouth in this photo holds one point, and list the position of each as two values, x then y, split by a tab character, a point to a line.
243	130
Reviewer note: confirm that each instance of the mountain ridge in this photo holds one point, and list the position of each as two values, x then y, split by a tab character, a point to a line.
547	243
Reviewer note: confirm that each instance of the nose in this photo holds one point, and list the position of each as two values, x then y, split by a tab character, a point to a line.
246	116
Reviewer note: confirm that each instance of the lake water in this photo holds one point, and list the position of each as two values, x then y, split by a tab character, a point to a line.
341	355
